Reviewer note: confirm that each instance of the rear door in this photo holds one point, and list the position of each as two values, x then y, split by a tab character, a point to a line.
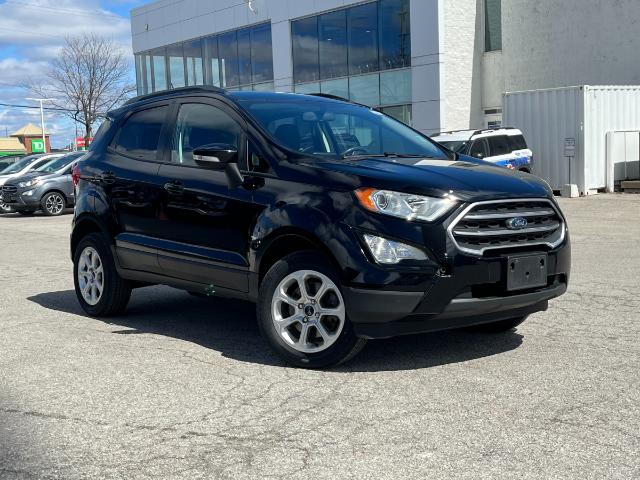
127	177
204	224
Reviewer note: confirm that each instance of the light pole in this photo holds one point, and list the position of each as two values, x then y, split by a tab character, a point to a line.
42	100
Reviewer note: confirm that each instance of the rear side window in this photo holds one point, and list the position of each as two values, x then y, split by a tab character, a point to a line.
140	134
499	145
517	142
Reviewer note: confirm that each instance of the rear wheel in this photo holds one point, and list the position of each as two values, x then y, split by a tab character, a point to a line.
301	312
53	204
500	326
100	290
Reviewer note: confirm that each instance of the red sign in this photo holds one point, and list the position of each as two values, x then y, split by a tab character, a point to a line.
81	143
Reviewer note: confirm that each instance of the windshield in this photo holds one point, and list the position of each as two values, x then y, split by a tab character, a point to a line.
329	128
18	166
56	164
457	146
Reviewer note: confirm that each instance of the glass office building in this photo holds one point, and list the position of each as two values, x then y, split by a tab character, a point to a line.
239	59
360	52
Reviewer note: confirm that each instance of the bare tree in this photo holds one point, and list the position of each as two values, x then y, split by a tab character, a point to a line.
90	76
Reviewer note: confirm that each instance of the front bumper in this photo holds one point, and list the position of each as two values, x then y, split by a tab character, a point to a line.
19	201
474	293
461	312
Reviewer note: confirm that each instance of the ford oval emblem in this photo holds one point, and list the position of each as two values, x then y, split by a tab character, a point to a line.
517	223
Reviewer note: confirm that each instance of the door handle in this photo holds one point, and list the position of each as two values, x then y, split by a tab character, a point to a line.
174	188
107	177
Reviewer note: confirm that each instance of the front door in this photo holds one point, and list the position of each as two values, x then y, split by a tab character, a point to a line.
204	224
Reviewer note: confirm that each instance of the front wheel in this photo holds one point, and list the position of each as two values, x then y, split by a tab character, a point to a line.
53	204
301	312
4	208
100	290
499	326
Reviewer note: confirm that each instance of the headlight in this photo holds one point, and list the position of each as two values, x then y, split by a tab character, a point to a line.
389	252
404	205
29	183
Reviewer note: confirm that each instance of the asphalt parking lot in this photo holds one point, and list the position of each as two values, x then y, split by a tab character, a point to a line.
185	388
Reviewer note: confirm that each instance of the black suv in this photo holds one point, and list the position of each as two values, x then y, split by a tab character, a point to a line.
341	223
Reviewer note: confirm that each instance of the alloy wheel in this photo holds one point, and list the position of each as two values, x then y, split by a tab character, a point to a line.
307	310
4	208
54	204
90	276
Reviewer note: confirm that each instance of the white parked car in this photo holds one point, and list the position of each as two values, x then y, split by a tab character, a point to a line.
503	146
21	167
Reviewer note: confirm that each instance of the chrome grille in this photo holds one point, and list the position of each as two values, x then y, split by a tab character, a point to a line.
9	189
486	225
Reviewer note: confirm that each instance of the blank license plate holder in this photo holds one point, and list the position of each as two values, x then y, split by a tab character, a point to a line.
526	271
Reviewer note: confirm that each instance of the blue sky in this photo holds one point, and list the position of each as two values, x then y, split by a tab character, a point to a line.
31	34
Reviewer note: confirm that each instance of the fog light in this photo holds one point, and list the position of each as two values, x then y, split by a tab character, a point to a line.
389	252
28	193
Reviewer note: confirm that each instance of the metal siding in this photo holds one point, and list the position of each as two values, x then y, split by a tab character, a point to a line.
547	117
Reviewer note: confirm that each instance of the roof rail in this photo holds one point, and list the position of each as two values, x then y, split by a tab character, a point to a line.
175	91
475	132
336	97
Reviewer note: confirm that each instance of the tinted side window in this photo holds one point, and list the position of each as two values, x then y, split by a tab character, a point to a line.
200	124
517	142
479	149
499	145
140	134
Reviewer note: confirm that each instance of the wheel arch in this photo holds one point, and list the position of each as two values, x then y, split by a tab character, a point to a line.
83	226
55	190
287	240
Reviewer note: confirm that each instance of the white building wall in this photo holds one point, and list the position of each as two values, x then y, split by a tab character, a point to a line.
462	64
556	43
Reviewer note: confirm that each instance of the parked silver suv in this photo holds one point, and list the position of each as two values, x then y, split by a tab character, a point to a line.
48	188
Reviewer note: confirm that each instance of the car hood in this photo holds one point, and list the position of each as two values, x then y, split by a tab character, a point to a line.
33	174
466	178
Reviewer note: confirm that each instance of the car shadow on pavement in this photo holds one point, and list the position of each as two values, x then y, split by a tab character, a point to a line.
229	327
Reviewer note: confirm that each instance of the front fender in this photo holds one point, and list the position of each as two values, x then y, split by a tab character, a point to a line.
334	238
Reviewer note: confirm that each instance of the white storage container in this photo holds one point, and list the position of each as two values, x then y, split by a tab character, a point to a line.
567	129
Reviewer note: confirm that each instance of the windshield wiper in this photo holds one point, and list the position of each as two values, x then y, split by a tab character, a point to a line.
386	155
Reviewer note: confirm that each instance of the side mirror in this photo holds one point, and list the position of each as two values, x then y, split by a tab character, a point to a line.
220	156
215	156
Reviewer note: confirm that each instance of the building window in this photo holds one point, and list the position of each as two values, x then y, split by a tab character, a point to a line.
351	41
360	53
175	54
240	59
395	34
363	39
159	69
332	38
492	25
261	54
228	52
193	62
304	34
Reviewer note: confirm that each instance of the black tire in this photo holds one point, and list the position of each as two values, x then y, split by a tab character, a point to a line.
117	291
26	213
5	208
345	347
500	326
51	205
